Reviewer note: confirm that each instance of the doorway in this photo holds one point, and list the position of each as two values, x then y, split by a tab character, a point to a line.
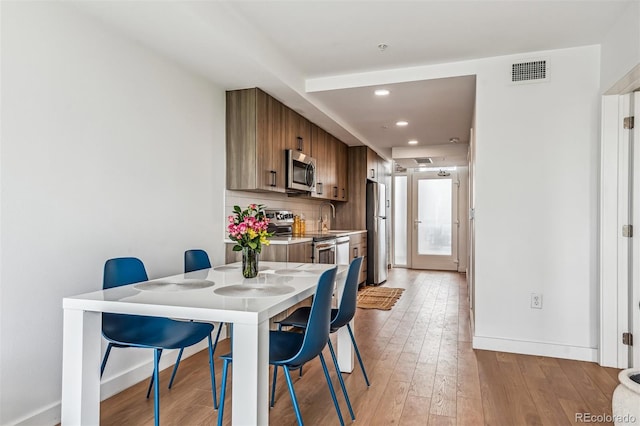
434	216
430	210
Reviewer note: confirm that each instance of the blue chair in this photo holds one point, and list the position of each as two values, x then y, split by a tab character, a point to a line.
148	332
292	350
194	260
339	318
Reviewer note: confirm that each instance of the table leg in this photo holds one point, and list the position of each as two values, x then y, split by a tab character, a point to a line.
81	368
345	349
250	396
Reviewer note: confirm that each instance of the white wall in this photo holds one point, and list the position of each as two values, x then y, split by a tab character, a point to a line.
536	182
107	150
621	47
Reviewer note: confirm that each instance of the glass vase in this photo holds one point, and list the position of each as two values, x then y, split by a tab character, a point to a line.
249	262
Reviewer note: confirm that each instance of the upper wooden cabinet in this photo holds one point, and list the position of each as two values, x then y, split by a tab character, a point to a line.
343	168
373	161
298	135
361	159
255	141
320	153
331	165
259	131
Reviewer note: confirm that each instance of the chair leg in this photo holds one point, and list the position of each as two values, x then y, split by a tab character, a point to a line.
355	346
213	373
175	367
294	400
156	389
333	392
223	391
153	376
273	386
106	357
341	380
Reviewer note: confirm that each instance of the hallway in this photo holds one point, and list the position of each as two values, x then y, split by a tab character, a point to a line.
422	370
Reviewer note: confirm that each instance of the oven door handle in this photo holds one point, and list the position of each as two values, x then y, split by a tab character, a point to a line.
325	246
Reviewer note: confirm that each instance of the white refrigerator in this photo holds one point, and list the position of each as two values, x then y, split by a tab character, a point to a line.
376	233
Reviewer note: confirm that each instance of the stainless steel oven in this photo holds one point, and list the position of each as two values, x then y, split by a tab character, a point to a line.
324	251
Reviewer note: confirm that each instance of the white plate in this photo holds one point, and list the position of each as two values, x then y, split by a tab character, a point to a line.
163	285
253	290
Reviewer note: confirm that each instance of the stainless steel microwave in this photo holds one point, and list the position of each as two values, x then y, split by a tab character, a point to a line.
301	172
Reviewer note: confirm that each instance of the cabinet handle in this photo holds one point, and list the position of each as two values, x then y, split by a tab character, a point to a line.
319	188
273	178
344	194
335	192
355	252
300	143
373	173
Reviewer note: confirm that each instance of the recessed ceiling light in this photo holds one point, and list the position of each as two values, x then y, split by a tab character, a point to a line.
413	142
381	92
401	123
454	140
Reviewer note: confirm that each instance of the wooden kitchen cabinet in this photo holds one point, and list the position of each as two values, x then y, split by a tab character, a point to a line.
373	172
255	141
342	155
332	164
361	160
331	157
298	133
357	248
301	253
320	152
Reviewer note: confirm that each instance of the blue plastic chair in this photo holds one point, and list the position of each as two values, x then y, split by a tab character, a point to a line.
292	350
194	260
339	318
149	332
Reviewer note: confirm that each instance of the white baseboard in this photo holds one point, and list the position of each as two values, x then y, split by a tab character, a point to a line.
51	414
536	348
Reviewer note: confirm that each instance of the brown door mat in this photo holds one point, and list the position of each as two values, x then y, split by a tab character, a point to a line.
378	297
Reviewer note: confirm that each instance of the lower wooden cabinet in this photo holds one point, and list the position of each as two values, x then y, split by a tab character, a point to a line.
357	248
300	253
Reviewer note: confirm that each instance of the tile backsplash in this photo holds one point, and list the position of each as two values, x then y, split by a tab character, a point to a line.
306	208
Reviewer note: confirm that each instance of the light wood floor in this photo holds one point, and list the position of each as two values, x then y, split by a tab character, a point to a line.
422	368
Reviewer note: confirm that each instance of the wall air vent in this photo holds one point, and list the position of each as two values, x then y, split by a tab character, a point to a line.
529	72
425	160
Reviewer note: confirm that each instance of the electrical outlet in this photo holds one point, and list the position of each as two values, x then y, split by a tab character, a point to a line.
536	301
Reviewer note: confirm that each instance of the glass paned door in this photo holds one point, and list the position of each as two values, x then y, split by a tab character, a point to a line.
434	217
435	221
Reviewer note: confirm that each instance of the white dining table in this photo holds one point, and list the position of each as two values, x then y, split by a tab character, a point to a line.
219	294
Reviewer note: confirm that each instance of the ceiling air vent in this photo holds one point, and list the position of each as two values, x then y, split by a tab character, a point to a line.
529	72
425	160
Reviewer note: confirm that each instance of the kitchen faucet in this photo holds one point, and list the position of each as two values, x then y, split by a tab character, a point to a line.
333	210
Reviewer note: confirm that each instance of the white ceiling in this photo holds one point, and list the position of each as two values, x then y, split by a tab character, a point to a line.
281	45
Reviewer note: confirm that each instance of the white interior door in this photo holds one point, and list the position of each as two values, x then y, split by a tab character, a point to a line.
435	221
